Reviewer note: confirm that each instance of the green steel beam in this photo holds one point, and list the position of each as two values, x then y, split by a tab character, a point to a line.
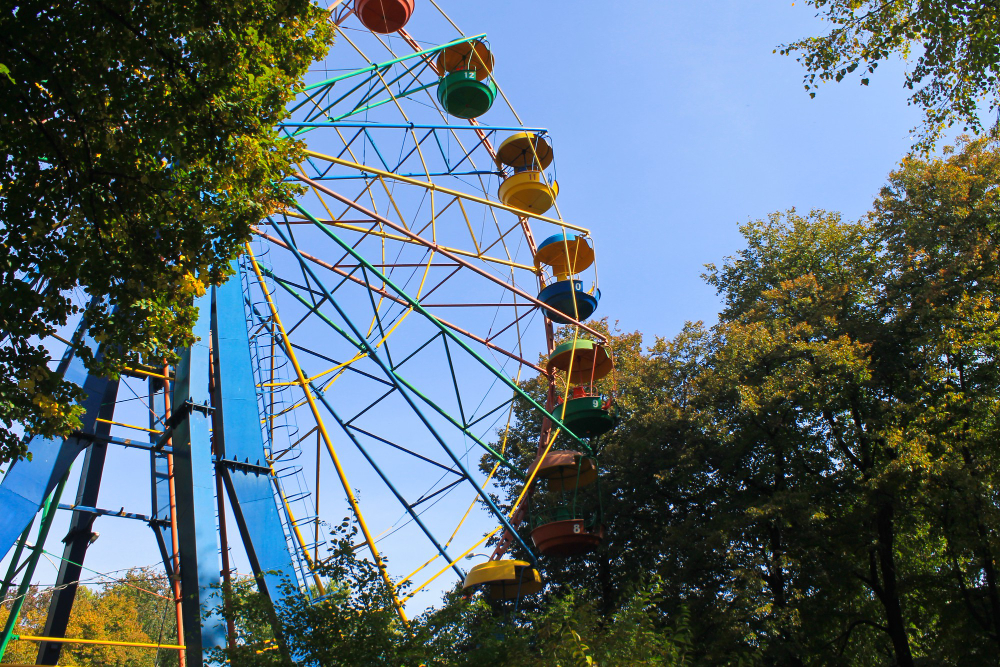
377	66
369	107
394	378
423	311
364	100
441	411
13	569
48	512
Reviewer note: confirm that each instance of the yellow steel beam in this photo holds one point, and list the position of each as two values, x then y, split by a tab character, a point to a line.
142	371
138	428
448	191
100	642
355	507
406	239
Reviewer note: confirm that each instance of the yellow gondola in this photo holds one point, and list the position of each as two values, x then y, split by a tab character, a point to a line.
527	189
504	579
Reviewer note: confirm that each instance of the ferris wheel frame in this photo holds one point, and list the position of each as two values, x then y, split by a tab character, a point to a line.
206	442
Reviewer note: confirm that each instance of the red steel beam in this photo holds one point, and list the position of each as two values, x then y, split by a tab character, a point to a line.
453	257
384	293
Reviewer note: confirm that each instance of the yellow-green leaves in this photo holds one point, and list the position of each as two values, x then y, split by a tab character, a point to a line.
139	147
954	77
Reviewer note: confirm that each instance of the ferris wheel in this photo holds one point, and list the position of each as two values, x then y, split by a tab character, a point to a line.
367	353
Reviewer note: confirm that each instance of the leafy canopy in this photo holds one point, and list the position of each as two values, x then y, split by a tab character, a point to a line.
137	147
136	607
954	71
813	478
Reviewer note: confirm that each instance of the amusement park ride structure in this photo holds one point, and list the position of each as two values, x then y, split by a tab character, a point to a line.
386	318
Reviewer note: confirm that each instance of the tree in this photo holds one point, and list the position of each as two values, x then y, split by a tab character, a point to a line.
813	478
656	499
939	223
564	630
135	608
792	394
956	62
138	146
354	623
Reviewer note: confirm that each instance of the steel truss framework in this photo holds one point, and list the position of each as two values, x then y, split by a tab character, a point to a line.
387	319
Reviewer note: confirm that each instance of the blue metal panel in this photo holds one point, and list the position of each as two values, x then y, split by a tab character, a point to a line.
27	483
194	481
237	436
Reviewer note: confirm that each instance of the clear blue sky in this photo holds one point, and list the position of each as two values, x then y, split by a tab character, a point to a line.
673	124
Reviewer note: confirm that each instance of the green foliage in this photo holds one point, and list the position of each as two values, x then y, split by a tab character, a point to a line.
955	68
356	623
138	147
813	477
136	608
353	623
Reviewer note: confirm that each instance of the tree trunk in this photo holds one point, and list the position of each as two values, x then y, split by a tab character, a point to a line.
989	569
983	549
608	597
787	647
890	589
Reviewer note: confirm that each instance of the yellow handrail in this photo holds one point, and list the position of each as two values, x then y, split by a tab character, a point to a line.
101	642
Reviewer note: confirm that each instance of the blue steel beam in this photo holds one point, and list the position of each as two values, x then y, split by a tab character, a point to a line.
159	472
416	174
380	103
416	144
13	568
416	126
427	496
412	453
378	470
121	514
372	435
433	129
194	477
391	375
237	436
48	512
77	539
413	303
479	441
376	66
320	111
402	501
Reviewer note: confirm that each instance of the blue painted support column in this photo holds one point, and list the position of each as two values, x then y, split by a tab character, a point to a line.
237	437
28	483
77	539
48	513
194	481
